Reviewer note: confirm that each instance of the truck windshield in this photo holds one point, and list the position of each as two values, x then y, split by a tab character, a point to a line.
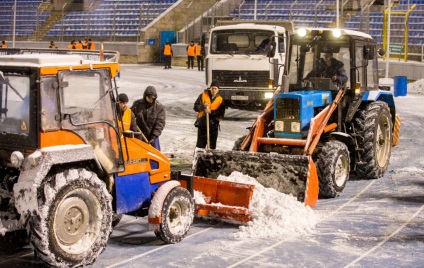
14	104
240	41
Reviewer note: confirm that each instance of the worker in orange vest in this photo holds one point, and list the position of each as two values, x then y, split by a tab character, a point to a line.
199	56
91	45
167	54
52	45
72	45
79	45
191	53
3	44
126	118
211	103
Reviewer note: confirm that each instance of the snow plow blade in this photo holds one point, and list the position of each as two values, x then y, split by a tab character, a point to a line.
289	174
225	200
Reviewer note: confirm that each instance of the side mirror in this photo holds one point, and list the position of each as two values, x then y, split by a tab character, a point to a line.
381	52
368	52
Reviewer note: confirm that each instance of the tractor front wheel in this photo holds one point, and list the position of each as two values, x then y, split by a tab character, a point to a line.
333	168
374	126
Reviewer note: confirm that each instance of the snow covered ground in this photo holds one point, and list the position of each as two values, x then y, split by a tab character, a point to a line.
372	224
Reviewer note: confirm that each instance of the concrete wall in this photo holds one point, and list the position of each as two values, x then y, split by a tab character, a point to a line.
125	48
172	20
412	70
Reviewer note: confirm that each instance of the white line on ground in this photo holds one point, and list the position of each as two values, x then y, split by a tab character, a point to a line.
386	239
15	257
260	252
154	250
351	200
280	242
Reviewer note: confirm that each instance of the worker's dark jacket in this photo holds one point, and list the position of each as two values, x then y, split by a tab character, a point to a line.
150	117
336	68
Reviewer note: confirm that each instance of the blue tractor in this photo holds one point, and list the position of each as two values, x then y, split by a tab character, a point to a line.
323	124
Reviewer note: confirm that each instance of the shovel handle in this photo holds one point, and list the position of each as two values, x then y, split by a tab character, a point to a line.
208	145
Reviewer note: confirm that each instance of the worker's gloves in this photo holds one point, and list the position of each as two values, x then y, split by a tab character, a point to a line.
152	141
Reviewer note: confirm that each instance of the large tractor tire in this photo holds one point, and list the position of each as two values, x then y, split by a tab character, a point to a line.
374	126
74	219
177	216
238	142
116	219
333	168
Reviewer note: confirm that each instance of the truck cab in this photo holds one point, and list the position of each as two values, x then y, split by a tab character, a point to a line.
239	56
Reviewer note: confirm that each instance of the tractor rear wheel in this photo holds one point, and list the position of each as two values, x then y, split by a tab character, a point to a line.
177	216
74	219
374	126
333	168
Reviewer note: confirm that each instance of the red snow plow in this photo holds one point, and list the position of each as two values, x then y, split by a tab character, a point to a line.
221	199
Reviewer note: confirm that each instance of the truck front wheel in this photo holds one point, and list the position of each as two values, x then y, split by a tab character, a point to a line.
74	219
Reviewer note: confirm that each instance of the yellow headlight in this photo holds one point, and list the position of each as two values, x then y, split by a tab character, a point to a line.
295	127
279	126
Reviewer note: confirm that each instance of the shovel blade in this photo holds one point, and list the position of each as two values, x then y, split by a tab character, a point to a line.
223	199
289	174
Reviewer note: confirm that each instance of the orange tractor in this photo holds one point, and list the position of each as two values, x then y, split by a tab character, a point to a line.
67	172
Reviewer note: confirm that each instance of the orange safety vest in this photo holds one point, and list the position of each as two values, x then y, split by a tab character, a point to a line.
213	105
191	50
167	51
71	46
198	50
4	46
78	46
52	46
126	120
92	45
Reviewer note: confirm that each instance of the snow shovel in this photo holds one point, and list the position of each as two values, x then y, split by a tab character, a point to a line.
289	174
225	200
208	139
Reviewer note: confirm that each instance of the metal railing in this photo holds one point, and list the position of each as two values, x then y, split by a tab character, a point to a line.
266	9
291	9
62	25
316	13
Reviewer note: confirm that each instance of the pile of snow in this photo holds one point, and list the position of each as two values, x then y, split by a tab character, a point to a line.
273	213
416	87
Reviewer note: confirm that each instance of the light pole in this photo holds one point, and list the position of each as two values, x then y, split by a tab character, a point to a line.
14	24
388	39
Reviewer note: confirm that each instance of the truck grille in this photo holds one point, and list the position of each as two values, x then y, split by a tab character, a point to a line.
241	78
288	109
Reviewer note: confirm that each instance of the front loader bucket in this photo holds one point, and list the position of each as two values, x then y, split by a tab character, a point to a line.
289	174
225	200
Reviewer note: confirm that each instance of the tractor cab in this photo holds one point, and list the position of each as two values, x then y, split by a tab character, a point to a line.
70	103
350	52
